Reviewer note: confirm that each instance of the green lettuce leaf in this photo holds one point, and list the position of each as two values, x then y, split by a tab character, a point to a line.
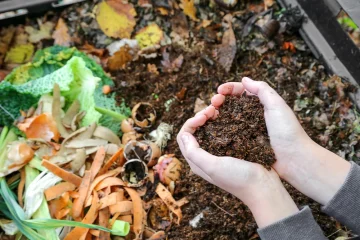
75	81
23	87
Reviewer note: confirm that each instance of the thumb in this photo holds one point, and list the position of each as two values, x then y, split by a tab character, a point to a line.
194	155
267	95
199	157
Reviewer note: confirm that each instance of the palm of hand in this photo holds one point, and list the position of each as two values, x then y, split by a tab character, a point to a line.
233	175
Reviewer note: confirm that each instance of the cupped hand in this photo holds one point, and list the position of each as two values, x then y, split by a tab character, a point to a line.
288	138
257	187
311	169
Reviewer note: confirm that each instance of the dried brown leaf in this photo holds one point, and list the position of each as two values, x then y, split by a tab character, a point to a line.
120	59
152	69
61	34
189	9
171	66
226	51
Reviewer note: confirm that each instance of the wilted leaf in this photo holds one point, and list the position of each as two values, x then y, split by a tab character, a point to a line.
152	69
61	34
20	54
173	66
189	9
204	24
180	26
90	49
6	36
163	11
335	83
120	58
149	36
226	51
36	35
21	37
116	19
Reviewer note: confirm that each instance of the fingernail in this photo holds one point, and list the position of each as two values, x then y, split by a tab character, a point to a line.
246	79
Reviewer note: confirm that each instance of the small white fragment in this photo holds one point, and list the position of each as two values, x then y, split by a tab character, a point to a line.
196	220
9	227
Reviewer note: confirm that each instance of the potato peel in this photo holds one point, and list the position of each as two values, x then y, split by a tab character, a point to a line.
168	199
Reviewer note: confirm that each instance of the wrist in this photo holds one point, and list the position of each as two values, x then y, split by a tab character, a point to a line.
270	202
318	173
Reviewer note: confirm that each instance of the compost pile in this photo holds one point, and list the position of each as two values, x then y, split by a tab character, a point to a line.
92	97
239	131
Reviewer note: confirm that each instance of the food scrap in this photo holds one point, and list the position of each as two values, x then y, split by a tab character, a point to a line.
78	172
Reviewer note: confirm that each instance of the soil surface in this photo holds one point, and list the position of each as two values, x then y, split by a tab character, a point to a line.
225	216
239	131
320	101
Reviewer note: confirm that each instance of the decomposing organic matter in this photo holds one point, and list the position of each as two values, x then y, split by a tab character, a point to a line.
239	131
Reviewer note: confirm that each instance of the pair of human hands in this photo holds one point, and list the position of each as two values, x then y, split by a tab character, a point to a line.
311	169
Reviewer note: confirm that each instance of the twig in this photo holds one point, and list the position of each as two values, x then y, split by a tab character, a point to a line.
334	233
223	209
347	232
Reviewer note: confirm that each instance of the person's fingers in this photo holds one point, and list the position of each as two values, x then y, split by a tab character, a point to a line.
199	157
209	112
185	152
193	123
268	96
231	88
198	120
217	100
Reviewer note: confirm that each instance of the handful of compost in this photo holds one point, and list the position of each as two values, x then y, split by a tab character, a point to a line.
239	131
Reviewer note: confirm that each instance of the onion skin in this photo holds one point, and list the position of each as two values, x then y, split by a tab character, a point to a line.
168	168
19	155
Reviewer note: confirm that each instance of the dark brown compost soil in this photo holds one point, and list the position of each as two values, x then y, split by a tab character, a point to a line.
239	131
320	101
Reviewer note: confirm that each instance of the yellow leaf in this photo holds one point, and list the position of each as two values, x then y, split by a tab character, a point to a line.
149	36
61	34
116	19
6	37
163	11
189	9
20	54
36	35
